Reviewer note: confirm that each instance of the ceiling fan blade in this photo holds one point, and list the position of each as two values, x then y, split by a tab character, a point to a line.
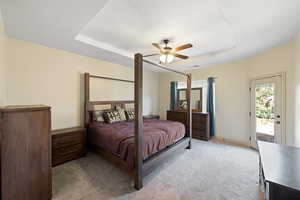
180	56
186	46
154	54
156	45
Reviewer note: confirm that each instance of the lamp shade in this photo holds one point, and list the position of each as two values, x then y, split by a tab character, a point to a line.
163	58
166	58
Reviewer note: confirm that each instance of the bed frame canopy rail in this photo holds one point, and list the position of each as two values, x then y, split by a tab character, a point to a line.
89	105
142	167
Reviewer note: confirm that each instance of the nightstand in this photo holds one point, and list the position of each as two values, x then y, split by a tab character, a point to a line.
151	117
68	144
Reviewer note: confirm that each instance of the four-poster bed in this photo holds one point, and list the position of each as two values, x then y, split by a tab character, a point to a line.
139	134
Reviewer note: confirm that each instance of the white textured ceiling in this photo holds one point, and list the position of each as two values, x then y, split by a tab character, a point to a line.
220	30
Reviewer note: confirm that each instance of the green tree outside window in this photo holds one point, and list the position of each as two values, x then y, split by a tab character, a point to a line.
265	102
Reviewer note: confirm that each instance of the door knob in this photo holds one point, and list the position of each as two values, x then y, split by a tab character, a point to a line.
278	116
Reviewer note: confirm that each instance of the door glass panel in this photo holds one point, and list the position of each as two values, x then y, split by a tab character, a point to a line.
265	111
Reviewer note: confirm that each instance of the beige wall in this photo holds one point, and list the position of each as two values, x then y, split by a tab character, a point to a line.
296	102
41	75
232	90
2	63
275	61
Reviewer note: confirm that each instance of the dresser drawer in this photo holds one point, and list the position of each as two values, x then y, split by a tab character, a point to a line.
202	135
68	144
176	117
66	140
200	122
67	154
70	149
199	126
199	119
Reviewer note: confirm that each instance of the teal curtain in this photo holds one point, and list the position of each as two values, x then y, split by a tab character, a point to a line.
173	100
210	104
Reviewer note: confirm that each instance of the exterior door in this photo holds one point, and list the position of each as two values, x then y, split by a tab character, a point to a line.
266	110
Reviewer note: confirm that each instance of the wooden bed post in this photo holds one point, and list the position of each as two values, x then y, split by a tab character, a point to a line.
86	98
189	109
138	131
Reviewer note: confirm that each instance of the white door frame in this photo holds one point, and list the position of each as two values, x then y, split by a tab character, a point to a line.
283	105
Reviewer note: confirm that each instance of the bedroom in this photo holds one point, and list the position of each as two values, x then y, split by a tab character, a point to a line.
44	57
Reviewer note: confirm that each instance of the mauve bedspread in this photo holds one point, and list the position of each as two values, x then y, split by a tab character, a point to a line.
118	138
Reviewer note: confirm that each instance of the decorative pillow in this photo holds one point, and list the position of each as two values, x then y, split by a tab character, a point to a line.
99	111
121	112
112	116
129	115
98	116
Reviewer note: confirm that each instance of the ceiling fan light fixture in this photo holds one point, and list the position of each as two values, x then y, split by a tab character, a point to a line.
163	58
166	58
167	54
170	58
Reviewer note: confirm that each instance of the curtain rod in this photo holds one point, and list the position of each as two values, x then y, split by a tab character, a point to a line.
165	68
113	79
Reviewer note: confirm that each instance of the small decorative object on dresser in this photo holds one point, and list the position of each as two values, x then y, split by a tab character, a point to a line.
151	117
68	144
200	123
25	153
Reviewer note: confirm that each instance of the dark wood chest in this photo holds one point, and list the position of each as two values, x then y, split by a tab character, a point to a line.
68	144
200	123
25	153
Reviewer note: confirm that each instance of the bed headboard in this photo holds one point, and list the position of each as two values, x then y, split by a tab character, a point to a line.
91	106
106	105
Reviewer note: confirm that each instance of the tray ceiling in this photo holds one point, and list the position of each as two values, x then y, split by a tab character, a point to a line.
220	30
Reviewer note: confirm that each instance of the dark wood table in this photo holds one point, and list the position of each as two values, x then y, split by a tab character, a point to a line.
280	171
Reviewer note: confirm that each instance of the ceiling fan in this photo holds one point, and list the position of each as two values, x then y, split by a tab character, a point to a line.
167	53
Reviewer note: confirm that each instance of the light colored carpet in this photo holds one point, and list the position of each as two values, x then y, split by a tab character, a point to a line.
209	171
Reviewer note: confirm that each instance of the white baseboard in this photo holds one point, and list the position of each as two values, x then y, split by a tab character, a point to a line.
230	141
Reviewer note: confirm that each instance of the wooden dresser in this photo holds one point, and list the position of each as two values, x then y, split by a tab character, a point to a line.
200	123
25	153
68	144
